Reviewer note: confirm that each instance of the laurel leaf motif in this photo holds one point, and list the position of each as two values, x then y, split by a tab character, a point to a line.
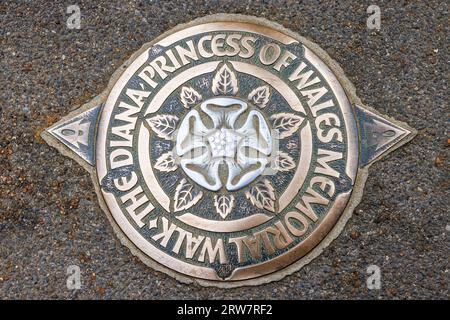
163	125
225	82
186	196
283	162
262	195
224	204
260	96
286	123
189	97
166	162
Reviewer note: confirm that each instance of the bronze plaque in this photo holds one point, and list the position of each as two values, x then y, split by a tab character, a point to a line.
229	151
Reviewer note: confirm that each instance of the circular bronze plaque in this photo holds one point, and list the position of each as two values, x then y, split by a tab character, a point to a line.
228	150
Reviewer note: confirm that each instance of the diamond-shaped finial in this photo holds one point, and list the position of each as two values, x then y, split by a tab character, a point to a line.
378	135
77	133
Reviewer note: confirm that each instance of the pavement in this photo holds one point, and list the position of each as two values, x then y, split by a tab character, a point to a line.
49	216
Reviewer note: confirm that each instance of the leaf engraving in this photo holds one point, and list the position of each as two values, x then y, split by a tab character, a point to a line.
225	82
224	204
185	195
283	162
260	96
163	125
166	162
286	123
262	195
189	97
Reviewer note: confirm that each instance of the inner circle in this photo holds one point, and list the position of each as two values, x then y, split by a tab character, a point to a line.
223	144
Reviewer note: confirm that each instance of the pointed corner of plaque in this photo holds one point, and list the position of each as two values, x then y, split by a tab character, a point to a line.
380	135
76	133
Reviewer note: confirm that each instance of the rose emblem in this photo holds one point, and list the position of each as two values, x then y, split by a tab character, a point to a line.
244	149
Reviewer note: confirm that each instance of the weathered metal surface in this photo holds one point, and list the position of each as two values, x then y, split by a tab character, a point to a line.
229	152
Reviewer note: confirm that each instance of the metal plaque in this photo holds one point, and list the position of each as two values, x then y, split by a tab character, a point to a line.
229	151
